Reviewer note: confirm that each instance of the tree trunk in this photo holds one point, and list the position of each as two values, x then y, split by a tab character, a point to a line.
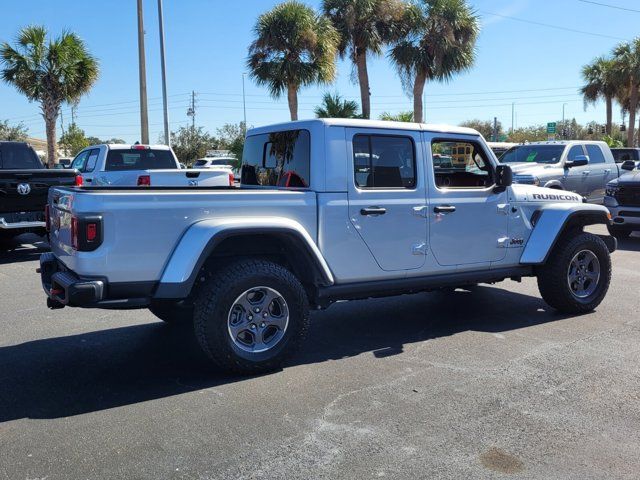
50	111
609	128
633	107
418	90
363	80
292	96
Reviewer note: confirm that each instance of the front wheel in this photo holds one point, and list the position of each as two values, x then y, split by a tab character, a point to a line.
251	317
577	274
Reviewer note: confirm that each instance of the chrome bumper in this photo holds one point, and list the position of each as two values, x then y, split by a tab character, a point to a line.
4	225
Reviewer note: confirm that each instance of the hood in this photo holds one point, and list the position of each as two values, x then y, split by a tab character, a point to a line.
628	178
529	168
533	194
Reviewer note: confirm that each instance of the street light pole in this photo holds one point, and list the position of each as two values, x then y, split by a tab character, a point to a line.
244	105
144	118
165	107
563	124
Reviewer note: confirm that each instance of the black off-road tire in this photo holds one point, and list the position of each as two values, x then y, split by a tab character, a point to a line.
172	313
215	298
552	277
619	232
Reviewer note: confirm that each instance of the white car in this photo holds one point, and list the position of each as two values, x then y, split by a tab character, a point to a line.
215	162
142	165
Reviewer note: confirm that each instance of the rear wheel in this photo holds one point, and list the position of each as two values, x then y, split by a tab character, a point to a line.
577	274
619	232
251	317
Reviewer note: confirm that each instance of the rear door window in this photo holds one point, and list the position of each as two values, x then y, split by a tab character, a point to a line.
281	159
384	161
595	154
92	159
18	156
143	159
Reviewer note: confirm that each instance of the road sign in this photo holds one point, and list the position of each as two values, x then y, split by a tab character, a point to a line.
551	127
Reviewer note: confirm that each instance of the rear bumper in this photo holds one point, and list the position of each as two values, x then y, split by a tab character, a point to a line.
5	225
64	288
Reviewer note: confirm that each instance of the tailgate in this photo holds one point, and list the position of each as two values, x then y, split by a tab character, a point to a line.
26	190
191	178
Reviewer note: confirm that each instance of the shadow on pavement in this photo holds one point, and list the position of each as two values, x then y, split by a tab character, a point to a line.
66	376
24	248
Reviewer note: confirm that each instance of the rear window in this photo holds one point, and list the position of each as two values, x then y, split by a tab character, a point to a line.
133	159
222	161
18	157
622	155
280	159
200	163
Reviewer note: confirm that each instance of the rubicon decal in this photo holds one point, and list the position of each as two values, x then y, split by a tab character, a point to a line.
553	196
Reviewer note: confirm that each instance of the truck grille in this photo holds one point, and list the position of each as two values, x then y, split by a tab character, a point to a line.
628	196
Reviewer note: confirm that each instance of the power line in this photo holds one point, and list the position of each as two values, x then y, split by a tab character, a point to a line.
557	27
610	6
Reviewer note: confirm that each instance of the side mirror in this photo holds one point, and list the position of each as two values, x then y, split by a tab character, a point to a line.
504	176
579	161
628	165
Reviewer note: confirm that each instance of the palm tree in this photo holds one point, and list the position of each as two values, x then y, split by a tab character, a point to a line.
398	117
440	42
293	47
334	106
627	64
365	26
601	81
51	72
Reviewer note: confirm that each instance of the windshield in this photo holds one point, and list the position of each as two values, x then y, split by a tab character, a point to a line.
533	154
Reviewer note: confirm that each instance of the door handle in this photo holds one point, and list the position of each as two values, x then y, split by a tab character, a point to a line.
373	211
607	170
586	172
444	209
88	180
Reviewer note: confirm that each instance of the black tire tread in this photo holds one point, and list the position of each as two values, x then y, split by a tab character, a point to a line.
552	277
206	302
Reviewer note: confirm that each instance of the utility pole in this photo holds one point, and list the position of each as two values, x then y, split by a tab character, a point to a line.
564	127
495	129
191	111
144	116
164	76
244	105
513	114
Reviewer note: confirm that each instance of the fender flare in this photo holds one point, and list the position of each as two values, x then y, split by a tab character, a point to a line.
201	239
552	220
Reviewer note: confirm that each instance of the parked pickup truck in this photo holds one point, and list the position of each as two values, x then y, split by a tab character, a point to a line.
623	201
327	210
582	167
142	165
24	183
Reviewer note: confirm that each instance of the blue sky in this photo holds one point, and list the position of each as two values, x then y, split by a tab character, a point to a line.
536	67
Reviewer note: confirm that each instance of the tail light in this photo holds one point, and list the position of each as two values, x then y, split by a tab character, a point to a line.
144	181
86	233
47	218
79	181
231	179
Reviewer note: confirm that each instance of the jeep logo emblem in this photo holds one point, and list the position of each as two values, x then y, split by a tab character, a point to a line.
24	189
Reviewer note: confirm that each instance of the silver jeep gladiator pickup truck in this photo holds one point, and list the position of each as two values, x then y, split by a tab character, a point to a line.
327	210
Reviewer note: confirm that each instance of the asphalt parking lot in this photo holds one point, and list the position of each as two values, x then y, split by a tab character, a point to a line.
485	383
